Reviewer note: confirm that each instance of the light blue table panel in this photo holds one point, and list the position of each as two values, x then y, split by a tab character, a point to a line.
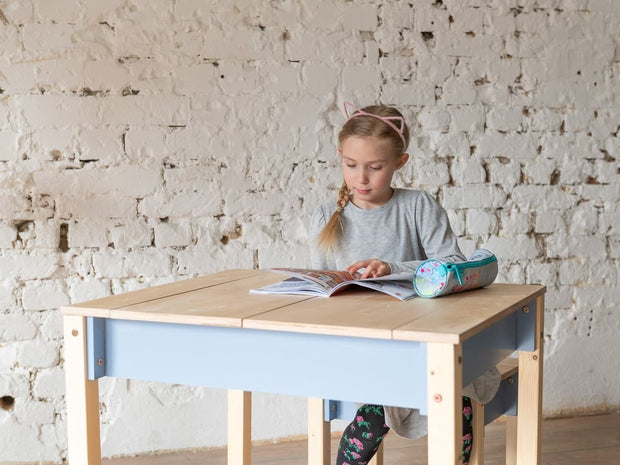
351	368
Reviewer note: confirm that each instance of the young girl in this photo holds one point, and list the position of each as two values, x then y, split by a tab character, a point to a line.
376	230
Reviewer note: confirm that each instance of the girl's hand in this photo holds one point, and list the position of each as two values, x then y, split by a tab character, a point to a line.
374	268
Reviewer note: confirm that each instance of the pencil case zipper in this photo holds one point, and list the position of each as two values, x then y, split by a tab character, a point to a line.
458	267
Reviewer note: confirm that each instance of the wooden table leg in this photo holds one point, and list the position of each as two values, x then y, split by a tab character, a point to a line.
444	404
82	397
530	396
239	427
318	433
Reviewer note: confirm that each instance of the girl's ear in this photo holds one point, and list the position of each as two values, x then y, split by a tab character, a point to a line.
402	160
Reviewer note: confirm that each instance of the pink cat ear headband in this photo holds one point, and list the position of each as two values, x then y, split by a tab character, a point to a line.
389	120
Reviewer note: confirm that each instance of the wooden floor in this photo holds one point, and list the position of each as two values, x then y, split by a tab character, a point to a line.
587	440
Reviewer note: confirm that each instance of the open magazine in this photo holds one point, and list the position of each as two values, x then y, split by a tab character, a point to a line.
327	283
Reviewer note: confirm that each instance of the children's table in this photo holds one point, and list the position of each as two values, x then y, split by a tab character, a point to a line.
360	346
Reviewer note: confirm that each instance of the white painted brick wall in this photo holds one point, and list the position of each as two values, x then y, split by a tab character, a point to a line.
146	142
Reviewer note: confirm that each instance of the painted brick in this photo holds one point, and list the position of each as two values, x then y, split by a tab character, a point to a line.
434	119
131	234
424	93
148	263
44	295
468	171
147	143
33	266
8	144
586	273
481	222
195	79
504	173
40	413
473	196
582	220
513	248
96	206
103	75
47	234
17	327
172	234
37	354
503	118
109	264
200	204
515	222
88	234
58	111
543	273
8	234
15	206
199	261
362	17
50	324
60	74
7	299
543	197
457	222
16	433
360	80
512	146
11	42
17	385
128	181
431	173
102	145
135	109
190	9
397	15
467	118
550	222
319	79
88	289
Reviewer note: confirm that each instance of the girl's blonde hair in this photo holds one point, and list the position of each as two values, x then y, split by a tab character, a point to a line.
381	121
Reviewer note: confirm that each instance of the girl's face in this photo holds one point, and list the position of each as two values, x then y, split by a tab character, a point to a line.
368	165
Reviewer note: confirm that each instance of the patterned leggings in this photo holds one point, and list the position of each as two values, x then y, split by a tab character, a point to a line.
361	439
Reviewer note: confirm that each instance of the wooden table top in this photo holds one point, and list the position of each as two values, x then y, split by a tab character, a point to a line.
223	299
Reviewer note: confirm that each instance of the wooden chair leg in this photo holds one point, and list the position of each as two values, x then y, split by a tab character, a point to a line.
511	440
378	457
239	427
477	453
318	433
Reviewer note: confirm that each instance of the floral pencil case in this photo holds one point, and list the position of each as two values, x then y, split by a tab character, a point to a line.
434	278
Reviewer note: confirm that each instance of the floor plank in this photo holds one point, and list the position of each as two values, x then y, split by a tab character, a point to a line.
584	440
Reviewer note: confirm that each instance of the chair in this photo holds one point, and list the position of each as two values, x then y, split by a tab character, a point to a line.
321	412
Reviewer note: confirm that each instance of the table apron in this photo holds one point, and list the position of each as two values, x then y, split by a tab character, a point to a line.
368	370
344	368
515	332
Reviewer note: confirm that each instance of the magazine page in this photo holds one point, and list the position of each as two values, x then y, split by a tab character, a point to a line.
401	289
291	286
327	280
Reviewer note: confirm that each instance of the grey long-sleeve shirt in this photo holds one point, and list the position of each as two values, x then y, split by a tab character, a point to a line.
403	232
